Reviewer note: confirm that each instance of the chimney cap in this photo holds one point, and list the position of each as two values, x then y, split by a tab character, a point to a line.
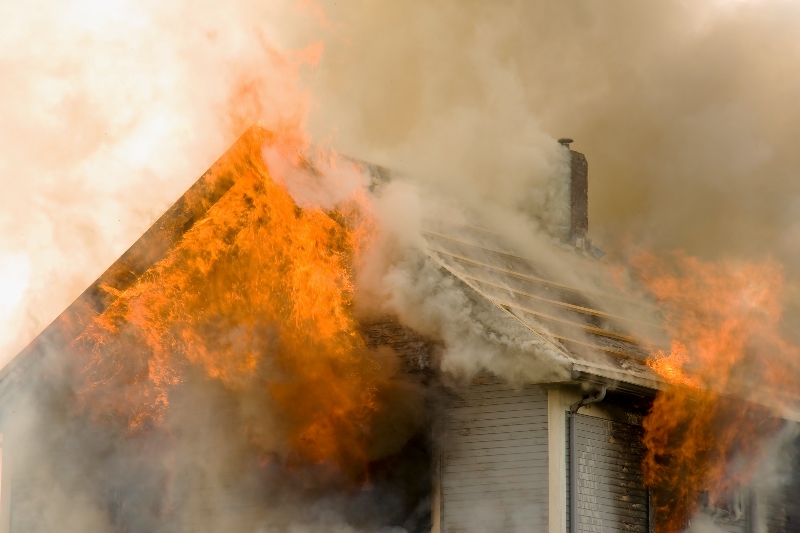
565	141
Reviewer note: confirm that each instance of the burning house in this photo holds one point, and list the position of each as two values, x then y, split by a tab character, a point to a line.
213	379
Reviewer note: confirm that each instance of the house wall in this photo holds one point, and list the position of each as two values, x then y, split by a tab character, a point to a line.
610	490
494	461
69	476
504	462
610	476
778	498
781	511
611	495
198	470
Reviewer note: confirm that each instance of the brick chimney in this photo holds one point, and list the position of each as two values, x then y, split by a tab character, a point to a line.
579	197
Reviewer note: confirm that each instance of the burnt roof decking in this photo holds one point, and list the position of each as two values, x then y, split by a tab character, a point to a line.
596	341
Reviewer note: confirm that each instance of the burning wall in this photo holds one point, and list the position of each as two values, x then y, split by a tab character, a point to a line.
188	401
733	374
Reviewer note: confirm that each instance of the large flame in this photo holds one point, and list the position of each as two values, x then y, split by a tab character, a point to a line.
702	435
259	295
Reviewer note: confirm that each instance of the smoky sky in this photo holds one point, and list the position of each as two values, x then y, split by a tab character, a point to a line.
686	110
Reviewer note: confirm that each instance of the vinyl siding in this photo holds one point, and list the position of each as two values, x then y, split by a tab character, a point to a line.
780	509
494	460
611	492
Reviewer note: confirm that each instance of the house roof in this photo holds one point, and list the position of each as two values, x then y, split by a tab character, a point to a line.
595	343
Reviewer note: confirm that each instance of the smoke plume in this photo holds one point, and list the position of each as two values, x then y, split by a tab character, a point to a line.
686	111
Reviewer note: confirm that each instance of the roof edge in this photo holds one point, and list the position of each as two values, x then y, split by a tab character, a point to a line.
147	250
619	379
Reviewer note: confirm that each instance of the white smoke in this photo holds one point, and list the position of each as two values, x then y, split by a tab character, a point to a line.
109	112
400	277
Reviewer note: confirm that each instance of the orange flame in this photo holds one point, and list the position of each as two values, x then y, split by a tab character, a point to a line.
258	294
670	366
725	322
